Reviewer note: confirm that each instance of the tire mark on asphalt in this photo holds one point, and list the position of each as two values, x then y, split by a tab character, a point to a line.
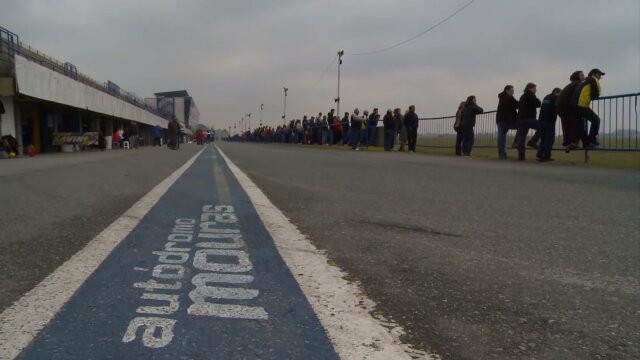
420	229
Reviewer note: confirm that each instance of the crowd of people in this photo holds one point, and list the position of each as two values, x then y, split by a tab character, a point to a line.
571	104
353	130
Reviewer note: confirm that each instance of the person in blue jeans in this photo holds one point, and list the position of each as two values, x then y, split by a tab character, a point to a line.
527	106
506	118
547	125
372	125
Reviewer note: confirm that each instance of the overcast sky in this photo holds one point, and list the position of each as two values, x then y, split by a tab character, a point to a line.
234	55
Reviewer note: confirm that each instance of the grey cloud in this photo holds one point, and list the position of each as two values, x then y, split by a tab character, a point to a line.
234	55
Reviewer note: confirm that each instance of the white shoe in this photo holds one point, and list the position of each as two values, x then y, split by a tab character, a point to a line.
357	149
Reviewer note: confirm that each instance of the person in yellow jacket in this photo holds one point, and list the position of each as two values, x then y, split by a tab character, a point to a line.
587	91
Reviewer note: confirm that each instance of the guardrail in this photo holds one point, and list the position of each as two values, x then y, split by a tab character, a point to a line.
10	45
619	128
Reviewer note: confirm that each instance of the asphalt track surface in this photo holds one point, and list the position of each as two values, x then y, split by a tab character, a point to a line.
52	205
140	302
476	259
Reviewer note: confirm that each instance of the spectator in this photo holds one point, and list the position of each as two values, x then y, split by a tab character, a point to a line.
372	125
506	118
337	134
567	112
173	130
402	134
115	139
526	116
547	125
364	135
318	130
411	123
299	131
330	135
457	126
471	109
133	134
356	127
585	92
345	129
397	125
389	130
327	134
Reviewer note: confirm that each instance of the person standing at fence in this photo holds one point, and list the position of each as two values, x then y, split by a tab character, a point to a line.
411	122
457	127
372	125
364	140
527	106
506	118
402	130
547	122
330	134
132	134
471	109
567	112
397	122
356	127
345	128
389	130
586	92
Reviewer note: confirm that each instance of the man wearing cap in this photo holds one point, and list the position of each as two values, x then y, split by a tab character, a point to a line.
585	92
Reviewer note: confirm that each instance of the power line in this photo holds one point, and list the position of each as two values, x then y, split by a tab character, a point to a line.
414	37
321	76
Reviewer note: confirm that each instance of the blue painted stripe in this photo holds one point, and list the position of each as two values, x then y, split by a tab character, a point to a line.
93	324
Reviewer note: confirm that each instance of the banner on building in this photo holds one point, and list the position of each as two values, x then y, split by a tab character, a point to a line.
80	138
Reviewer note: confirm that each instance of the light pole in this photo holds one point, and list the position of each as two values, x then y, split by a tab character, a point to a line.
284	114
340	54
249	116
261	106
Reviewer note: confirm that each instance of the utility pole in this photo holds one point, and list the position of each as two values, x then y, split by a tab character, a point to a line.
284	114
261	106
340	54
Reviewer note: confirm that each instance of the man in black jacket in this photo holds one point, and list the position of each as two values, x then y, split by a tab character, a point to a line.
506	118
389	130
345	129
547	125
567	112
527	106
411	122
471	109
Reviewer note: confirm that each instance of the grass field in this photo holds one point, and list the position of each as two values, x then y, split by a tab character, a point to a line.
606	159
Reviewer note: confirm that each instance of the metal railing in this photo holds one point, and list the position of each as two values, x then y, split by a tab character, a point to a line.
619	127
10	45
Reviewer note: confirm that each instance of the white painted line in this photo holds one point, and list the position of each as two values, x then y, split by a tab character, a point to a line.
21	322
342	308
